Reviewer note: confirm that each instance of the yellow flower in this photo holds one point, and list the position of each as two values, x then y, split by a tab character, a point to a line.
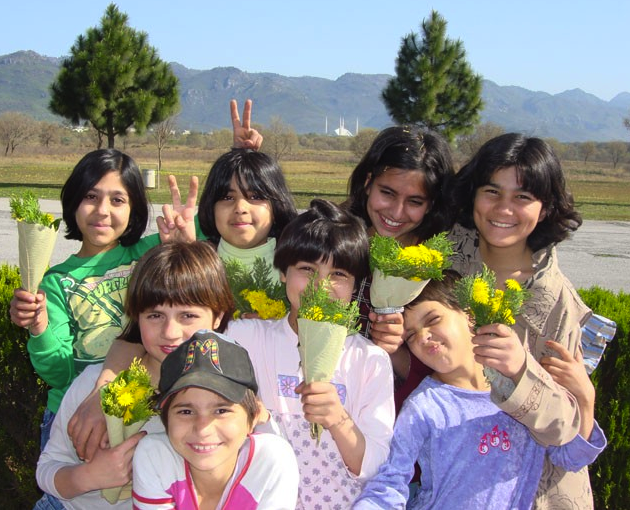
265	307
275	309
128	416
419	262
513	285
315	313
508	318
496	301
480	291
420	256
125	398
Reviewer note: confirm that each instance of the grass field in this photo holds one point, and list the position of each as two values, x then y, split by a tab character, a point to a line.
600	192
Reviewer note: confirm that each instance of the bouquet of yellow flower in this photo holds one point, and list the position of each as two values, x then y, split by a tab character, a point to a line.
323	325
478	295
255	291
126	403
399	274
37	234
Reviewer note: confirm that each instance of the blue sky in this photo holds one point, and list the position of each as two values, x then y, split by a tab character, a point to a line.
543	45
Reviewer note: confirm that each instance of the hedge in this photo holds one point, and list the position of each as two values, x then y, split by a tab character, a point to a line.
610	474
21	406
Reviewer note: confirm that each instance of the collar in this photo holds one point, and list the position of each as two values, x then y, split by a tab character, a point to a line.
247	255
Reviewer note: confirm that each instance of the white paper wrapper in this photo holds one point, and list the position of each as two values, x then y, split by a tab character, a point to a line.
35	244
117	433
389	294
320	346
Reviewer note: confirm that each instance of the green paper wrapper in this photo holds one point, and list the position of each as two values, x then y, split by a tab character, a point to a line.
389	294
118	432
35	244
320	347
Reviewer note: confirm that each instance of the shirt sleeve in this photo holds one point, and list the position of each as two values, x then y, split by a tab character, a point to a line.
376	411
389	488
548	410
580	452
278	473
51	352
59	452
150	467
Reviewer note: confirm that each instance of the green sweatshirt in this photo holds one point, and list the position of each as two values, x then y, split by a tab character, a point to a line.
85	299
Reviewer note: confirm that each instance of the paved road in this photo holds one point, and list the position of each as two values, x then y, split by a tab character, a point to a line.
597	254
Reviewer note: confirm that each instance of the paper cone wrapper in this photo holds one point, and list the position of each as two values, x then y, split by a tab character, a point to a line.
389	294
117	433
35	244
320	347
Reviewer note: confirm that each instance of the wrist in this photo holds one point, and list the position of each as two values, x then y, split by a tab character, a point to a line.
345	419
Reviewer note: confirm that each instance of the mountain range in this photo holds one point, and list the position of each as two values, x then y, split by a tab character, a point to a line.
319	105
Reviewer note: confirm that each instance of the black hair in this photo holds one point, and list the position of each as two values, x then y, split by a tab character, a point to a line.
325	231
255	172
406	148
538	171
87	173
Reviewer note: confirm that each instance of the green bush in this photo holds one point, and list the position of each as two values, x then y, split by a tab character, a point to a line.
21	406
610	474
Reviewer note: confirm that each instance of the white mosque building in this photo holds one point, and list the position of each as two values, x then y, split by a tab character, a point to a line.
341	130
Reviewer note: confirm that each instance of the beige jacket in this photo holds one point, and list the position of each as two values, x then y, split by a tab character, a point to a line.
554	311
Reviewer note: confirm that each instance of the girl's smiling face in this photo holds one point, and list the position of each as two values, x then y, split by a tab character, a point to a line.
504	213
208	431
103	215
243	219
396	204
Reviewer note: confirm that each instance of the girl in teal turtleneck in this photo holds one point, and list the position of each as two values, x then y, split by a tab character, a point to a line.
244	206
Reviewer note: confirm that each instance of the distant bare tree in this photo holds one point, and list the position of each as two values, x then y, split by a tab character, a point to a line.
587	149
280	138
49	133
362	141
163	132
617	151
470	144
15	129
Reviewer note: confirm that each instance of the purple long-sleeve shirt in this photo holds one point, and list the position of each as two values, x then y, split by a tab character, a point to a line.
472	455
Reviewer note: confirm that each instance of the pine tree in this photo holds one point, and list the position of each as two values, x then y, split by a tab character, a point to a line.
434	85
114	80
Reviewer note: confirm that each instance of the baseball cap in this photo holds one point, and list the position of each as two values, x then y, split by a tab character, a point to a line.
211	361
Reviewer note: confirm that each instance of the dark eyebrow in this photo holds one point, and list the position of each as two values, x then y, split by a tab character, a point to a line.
422	197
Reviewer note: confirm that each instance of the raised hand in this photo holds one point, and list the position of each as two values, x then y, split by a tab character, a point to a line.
387	331
87	427
29	311
244	136
321	404
178	220
569	372
498	346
